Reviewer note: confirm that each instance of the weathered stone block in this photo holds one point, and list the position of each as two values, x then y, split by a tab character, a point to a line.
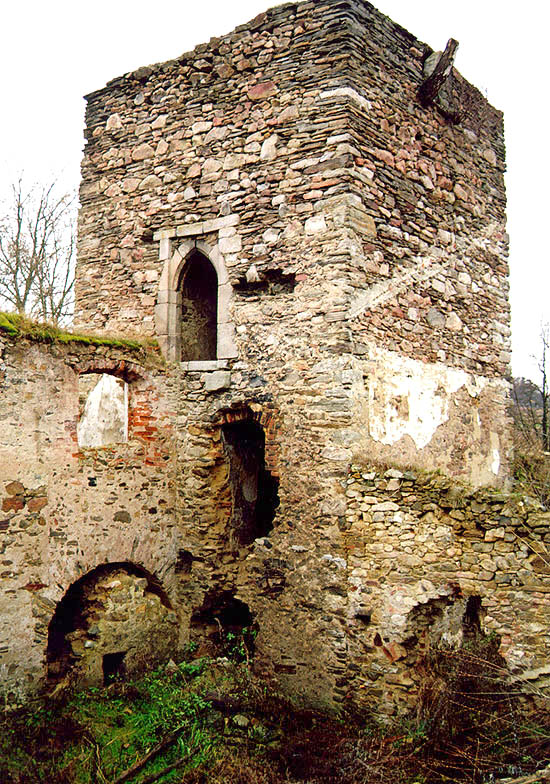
220	379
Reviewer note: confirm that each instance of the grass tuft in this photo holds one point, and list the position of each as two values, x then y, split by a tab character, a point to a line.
18	325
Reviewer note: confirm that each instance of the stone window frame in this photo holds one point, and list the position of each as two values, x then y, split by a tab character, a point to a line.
174	252
129	372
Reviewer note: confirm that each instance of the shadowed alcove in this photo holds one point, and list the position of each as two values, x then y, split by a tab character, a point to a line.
113	621
199	309
253	487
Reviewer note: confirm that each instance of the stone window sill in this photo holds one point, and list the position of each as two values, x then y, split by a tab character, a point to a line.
207	364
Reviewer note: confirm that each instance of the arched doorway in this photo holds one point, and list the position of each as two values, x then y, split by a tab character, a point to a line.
199	309
114	621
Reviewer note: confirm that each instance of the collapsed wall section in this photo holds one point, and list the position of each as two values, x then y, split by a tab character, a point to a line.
66	510
429	564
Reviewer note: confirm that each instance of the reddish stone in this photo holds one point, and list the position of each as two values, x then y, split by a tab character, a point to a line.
36	504
14	504
257	92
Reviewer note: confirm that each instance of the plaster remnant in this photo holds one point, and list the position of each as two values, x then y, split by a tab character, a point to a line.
408	397
105	417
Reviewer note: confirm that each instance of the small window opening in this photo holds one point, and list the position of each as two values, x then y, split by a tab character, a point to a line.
254	489
224	625
364	617
199	310
473	614
113	667
103	407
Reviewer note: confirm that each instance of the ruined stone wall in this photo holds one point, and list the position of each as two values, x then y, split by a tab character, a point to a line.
419	549
66	511
433	280
358	246
116	556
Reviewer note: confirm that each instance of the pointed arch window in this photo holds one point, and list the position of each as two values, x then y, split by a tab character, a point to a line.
198	289
192	311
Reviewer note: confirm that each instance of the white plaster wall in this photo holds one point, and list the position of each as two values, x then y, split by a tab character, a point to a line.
105	417
409	398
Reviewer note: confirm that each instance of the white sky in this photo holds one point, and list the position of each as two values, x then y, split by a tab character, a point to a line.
52	53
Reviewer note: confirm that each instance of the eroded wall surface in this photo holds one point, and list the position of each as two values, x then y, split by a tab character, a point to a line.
117	555
65	510
344	220
418	548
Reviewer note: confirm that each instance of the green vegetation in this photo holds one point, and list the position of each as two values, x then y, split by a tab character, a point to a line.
212	722
19	325
97	734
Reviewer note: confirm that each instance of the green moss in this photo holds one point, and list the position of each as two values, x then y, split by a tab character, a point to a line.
8	323
18	325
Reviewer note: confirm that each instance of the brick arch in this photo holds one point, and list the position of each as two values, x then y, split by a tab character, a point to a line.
120	368
167	320
266	416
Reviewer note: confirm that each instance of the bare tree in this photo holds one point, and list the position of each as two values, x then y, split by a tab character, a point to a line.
37	248
531	409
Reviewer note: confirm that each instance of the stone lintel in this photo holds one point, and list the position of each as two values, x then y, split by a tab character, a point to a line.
197	229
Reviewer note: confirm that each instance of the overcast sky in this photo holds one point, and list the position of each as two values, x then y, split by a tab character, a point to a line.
52	53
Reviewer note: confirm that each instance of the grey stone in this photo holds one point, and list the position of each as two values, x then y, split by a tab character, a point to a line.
220	379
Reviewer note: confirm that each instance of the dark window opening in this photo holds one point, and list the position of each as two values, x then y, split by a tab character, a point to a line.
269	281
113	667
254	489
224	626
364	617
199	310
471	621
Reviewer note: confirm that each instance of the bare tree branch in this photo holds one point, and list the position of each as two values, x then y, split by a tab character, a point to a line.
37	250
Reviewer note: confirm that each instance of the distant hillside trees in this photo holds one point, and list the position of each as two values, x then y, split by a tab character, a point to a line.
37	250
531	414
531	401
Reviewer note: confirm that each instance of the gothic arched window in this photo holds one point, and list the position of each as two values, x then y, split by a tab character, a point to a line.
198	288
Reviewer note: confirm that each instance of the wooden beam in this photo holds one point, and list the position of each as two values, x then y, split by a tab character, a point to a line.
432	85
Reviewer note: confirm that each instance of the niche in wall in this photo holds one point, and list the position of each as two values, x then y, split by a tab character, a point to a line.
103	407
223	626
254	490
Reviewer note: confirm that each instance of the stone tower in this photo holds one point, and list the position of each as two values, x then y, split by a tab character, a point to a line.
351	243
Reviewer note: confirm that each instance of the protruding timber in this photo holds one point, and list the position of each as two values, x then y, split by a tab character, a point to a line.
432	85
